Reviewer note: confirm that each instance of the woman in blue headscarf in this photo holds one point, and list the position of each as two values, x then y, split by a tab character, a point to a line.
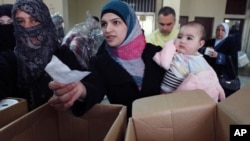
220	48
22	72
123	68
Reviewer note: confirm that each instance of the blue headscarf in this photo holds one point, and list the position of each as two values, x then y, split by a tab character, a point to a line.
33	57
127	14
129	53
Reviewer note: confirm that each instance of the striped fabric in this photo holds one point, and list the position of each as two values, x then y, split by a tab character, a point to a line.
170	82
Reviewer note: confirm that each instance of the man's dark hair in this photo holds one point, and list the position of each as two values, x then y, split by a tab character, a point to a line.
166	11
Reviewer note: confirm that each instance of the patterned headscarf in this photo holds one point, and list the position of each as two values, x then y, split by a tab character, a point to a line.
35	45
128	54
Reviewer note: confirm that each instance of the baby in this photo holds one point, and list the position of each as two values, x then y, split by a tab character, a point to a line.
186	68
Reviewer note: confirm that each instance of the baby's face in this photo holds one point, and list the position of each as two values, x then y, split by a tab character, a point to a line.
189	40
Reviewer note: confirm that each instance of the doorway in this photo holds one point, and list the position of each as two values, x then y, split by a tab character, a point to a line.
239	23
208	23
236	30
183	20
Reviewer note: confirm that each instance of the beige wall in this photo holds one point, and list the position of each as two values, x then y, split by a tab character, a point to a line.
74	11
202	8
78	9
213	8
54	5
7	1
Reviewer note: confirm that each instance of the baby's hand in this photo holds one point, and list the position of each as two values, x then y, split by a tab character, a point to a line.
165	56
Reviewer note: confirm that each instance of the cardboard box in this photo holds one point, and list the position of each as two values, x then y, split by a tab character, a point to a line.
103	122
13	112
233	110
187	116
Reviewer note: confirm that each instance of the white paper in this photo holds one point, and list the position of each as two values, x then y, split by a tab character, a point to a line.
62	73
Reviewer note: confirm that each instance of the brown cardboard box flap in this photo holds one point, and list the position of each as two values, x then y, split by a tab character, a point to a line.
190	115
26	127
130	132
233	110
45	124
94	125
238	104
165	117
118	129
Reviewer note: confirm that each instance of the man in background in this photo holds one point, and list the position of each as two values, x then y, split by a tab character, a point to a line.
166	30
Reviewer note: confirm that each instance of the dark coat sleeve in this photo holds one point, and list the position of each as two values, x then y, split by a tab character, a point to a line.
109	78
95	87
227	48
68	58
95	92
8	74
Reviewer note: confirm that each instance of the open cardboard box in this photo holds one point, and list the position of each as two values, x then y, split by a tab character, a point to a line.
187	116
13	112
105	122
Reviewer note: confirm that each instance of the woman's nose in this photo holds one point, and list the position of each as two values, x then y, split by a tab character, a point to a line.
109	28
26	24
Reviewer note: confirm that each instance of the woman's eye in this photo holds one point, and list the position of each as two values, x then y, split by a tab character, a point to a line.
116	22
34	22
103	24
19	21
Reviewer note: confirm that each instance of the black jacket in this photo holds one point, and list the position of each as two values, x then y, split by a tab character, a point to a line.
228	48
109	78
39	93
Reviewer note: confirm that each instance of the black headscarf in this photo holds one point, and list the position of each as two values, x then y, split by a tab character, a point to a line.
32	58
7	38
5	10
